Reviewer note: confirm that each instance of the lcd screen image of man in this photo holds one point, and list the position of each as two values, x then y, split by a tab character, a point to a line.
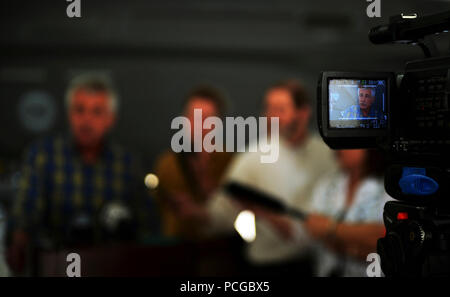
365	108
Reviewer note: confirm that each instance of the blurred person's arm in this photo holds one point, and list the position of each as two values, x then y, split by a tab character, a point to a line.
164	170
365	234
291	229
221	209
312	198
221	214
27	208
145	207
281	223
355	239
179	213
359	240
16	254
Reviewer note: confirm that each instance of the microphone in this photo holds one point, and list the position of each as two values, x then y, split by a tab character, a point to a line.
246	193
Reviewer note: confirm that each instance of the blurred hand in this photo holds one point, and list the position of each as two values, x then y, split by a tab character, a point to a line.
187	209
319	226
199	165
16	255
281	223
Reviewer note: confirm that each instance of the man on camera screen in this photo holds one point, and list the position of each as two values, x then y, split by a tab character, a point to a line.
364	108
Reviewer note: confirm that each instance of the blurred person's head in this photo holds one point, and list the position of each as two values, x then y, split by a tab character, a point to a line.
206	98
365	162
92	106
288	100
366	97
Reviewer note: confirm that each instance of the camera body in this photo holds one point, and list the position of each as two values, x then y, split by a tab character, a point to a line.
417	241
407	116
339	124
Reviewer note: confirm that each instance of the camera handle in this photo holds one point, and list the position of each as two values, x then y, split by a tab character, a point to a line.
411	29
428	46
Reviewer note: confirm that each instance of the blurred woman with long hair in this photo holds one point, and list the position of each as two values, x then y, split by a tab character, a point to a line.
347	214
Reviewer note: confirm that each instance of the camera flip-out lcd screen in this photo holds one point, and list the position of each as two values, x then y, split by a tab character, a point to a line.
357	104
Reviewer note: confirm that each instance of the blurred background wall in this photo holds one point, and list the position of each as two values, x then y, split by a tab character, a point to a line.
155	51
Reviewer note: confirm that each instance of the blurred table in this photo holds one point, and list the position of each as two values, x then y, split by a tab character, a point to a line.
220	257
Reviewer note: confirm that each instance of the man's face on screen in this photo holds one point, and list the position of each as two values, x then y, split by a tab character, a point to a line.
365	98
90	117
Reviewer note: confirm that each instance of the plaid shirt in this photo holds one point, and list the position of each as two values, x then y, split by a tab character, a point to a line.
354	112
56	185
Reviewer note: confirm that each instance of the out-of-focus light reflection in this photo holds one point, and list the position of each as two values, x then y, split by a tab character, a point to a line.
245	225
151	181
409	16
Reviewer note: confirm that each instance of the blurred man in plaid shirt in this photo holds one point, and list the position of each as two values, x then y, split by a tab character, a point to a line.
67	181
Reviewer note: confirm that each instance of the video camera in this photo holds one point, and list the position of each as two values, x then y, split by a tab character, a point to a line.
407	116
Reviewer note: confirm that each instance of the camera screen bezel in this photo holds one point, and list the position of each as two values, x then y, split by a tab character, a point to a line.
351	137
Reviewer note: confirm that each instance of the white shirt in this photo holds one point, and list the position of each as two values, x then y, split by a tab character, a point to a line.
289	179
329	198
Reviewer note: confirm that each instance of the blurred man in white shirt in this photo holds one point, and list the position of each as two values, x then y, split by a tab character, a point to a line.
303	158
